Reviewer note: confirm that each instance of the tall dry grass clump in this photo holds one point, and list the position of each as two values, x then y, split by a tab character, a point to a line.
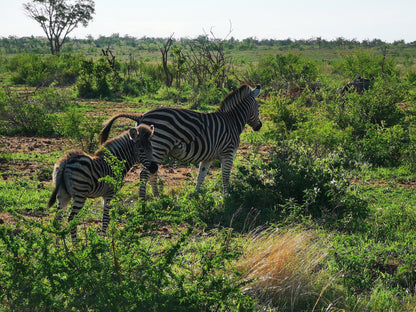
286	269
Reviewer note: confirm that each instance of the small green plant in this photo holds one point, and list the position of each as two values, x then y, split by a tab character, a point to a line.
79	126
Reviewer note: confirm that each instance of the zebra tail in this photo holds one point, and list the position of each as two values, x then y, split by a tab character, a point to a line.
59	181
52	199
105	132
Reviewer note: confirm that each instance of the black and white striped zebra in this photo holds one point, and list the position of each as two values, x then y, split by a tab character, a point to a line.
77	174
192	136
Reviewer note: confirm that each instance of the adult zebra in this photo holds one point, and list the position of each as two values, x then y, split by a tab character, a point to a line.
198	137
76	175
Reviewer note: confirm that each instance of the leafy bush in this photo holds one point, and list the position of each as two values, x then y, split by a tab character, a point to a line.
135	269
384	146
79	126
36	70
26	116
295	184
366	64
140	86
286	113
284	71
98	79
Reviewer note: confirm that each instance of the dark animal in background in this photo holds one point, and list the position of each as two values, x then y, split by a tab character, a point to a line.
359	84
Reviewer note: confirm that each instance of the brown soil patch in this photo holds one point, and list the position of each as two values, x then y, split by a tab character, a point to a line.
172	175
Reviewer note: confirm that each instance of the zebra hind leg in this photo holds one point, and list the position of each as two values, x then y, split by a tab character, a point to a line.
202	173
106	215
77	205
63	199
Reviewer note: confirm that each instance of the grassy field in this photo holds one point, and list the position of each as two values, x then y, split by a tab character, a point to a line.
321	210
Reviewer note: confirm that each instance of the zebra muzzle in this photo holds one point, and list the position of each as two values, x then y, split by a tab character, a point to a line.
258	127
152	167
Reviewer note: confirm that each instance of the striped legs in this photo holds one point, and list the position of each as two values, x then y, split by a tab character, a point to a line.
226	165
144	177
106	214
153	183
202	173
76	207
63	200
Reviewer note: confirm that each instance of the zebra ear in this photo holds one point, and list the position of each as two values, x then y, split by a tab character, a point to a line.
133	134
255	93
152	128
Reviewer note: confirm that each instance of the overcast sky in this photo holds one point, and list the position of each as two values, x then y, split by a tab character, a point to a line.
388	20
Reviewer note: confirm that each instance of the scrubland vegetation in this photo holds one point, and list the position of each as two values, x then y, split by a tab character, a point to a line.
321	211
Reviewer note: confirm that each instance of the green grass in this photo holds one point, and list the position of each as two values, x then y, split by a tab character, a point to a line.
310	223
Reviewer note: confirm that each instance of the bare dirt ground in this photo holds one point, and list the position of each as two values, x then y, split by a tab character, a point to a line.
172	175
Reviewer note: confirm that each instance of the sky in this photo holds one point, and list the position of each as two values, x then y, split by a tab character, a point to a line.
386	20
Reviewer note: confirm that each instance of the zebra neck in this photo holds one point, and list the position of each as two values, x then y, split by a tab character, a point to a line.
123	150
238	117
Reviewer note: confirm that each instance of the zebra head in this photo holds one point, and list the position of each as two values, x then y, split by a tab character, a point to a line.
141	136
254	119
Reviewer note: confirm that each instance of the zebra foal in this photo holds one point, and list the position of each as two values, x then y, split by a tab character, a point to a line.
77	174
192	136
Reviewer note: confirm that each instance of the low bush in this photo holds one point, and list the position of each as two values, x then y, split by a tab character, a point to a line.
26	115
288	72
136	269
39	70
295	184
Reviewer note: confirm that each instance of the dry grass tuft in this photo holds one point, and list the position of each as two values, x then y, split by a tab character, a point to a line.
285	268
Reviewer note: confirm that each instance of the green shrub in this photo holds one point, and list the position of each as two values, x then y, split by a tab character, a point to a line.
136	269
284	71
383	146
36	70
75	124
27	116
33	115
295	184
206	96
375	106
286	113
366	64
140	86
98	79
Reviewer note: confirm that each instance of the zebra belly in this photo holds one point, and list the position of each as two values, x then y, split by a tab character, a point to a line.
81	180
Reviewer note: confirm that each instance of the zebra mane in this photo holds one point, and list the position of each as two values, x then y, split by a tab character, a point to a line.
112	144
233	98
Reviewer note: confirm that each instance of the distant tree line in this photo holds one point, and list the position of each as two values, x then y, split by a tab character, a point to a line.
14	45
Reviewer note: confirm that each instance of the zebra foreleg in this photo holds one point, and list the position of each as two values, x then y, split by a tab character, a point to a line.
144	177
226	165
202	173
153	183
106	215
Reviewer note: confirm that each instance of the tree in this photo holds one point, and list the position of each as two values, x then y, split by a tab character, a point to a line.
59	17
165	50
